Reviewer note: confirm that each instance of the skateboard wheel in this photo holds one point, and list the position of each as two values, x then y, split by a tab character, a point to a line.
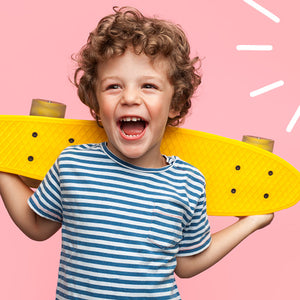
266	144
47	108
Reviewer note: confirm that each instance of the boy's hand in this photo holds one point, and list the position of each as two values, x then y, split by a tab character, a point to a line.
222	243
259	221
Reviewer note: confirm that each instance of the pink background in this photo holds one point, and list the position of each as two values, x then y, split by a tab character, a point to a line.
37	40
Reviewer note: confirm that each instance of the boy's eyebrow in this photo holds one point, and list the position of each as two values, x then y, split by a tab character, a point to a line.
108	78
145	77
152	77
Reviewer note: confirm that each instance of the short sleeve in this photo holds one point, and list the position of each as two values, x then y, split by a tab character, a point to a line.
46	201
196	234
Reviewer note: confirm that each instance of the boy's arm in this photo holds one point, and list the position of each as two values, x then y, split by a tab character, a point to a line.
15	194
221	244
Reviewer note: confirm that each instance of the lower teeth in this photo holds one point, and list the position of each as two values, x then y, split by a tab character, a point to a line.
130	135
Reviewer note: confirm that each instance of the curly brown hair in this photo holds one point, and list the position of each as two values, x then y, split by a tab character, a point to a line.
127	27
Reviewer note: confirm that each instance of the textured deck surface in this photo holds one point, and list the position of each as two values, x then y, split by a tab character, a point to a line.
241	179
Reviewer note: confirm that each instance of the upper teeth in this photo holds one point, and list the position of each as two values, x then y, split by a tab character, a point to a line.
128	119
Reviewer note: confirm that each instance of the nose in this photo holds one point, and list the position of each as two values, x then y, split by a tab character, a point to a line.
131	96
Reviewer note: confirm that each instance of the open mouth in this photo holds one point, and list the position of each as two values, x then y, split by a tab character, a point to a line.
132	127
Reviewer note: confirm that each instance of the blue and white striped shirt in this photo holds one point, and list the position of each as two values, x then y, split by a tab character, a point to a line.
122	226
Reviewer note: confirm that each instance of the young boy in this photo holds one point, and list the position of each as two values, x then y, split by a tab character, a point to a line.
130	216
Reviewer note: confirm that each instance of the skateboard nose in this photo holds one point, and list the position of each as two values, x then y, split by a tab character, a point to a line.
45	108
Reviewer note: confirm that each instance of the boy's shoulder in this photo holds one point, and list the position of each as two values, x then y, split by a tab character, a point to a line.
186	167
82	149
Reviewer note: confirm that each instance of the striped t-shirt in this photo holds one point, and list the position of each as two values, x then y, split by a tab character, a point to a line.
122	226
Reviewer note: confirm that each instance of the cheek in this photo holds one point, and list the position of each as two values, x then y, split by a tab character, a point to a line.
103	105
104	112
161	111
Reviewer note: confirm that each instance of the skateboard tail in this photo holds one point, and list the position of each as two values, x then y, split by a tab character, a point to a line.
242	179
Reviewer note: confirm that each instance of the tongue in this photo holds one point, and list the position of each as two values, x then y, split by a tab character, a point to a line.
132	128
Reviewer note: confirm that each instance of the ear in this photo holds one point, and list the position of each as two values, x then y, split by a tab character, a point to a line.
94	114
173	113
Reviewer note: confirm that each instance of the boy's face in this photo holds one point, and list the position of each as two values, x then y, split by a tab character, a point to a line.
134	97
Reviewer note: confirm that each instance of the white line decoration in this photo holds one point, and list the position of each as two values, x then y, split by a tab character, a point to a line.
254	47
263	10
294	120
267	88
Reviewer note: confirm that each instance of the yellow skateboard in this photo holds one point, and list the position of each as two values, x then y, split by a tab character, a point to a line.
242	179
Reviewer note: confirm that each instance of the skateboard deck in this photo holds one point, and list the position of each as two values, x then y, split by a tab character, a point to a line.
241	179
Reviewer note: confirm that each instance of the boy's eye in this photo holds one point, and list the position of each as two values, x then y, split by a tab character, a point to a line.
113	87
149	86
